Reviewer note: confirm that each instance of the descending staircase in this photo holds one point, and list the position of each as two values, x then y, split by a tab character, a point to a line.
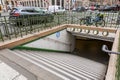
57	66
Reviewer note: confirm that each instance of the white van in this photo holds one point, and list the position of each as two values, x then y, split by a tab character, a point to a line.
56	9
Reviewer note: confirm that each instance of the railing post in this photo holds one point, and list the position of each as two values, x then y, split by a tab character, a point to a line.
31	21
7	33
58	20
13	27
118	20
45	22
1	36
26	31
71	19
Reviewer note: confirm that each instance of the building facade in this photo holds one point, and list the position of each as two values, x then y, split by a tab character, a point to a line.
44	3
7	4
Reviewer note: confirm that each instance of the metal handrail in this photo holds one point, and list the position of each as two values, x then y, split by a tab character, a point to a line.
105	49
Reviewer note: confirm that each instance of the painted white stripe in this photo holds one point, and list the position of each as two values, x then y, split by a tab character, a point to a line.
84	63
76	78
63	77
55	62
84	69
80	59
83	66
80	68
48	61
51	56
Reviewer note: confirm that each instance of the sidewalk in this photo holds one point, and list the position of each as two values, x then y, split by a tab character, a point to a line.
11	71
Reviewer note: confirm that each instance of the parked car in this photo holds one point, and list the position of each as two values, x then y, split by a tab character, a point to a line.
56	9
29	15
110	8
43	9
92	8
106	8
80	9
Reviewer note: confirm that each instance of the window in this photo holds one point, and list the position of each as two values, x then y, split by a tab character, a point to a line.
30	10
23	11
53	2
38	3
7	2
58	2
38	10
12	2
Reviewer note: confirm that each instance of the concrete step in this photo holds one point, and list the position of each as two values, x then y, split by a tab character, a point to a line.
74	61
39	70
70	66
79	68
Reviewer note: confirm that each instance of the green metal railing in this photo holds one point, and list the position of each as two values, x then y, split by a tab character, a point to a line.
13	28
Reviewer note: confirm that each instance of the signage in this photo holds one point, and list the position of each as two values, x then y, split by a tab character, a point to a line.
57	34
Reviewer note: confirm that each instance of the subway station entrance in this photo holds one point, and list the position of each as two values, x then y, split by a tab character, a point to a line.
62	53
92	49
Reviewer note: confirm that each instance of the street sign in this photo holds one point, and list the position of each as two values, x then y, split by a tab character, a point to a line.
57	34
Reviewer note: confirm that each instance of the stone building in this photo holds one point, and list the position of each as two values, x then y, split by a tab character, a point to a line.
46	3
64	3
